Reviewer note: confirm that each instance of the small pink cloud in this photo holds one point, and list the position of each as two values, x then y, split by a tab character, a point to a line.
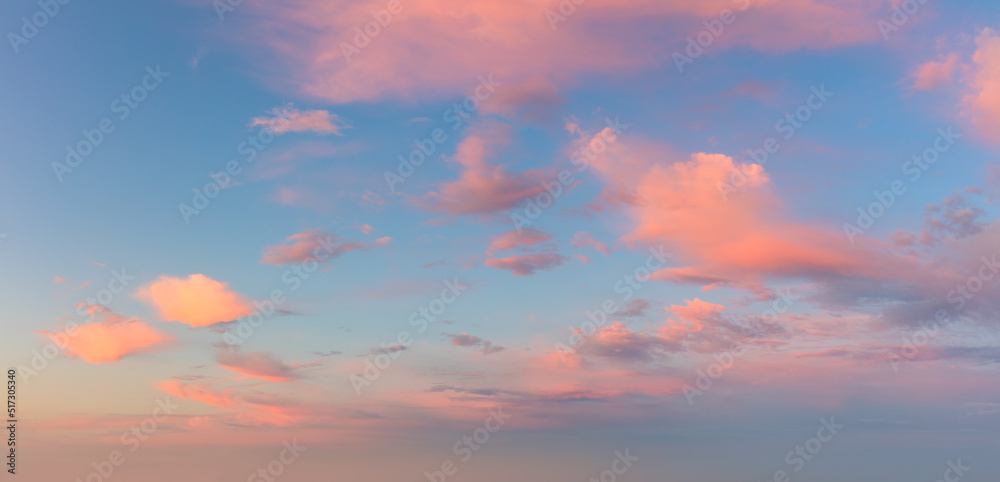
196	301
315	245
584	238
934	74
515	239
258	364
467	340
287	118
528	264
483	188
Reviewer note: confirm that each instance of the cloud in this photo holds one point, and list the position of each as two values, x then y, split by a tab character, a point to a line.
467	340
983	104
515	239
196	301
955	216
934	74
636	307
433	48
287	118
245	409
483	188
257	364
315	245
528	264
378	350
584	238
617	342
111	339
727	236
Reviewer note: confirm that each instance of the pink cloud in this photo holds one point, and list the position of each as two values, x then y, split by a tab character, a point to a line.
467	340
983	104
483	188
196	301
933	74
727	236
515	239
316	245
259	365
287	118
584	238
528	264
111	339
434	48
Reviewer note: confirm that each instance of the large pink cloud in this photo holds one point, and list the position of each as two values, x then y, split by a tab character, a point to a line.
109	340
440	47
196	301
724	221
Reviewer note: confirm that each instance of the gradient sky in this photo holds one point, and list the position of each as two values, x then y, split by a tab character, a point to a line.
703	232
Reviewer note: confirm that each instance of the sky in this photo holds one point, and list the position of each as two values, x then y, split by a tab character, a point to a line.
485	240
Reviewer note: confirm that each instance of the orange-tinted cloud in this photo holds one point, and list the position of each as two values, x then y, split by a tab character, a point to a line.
315	245
196	301
109	340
